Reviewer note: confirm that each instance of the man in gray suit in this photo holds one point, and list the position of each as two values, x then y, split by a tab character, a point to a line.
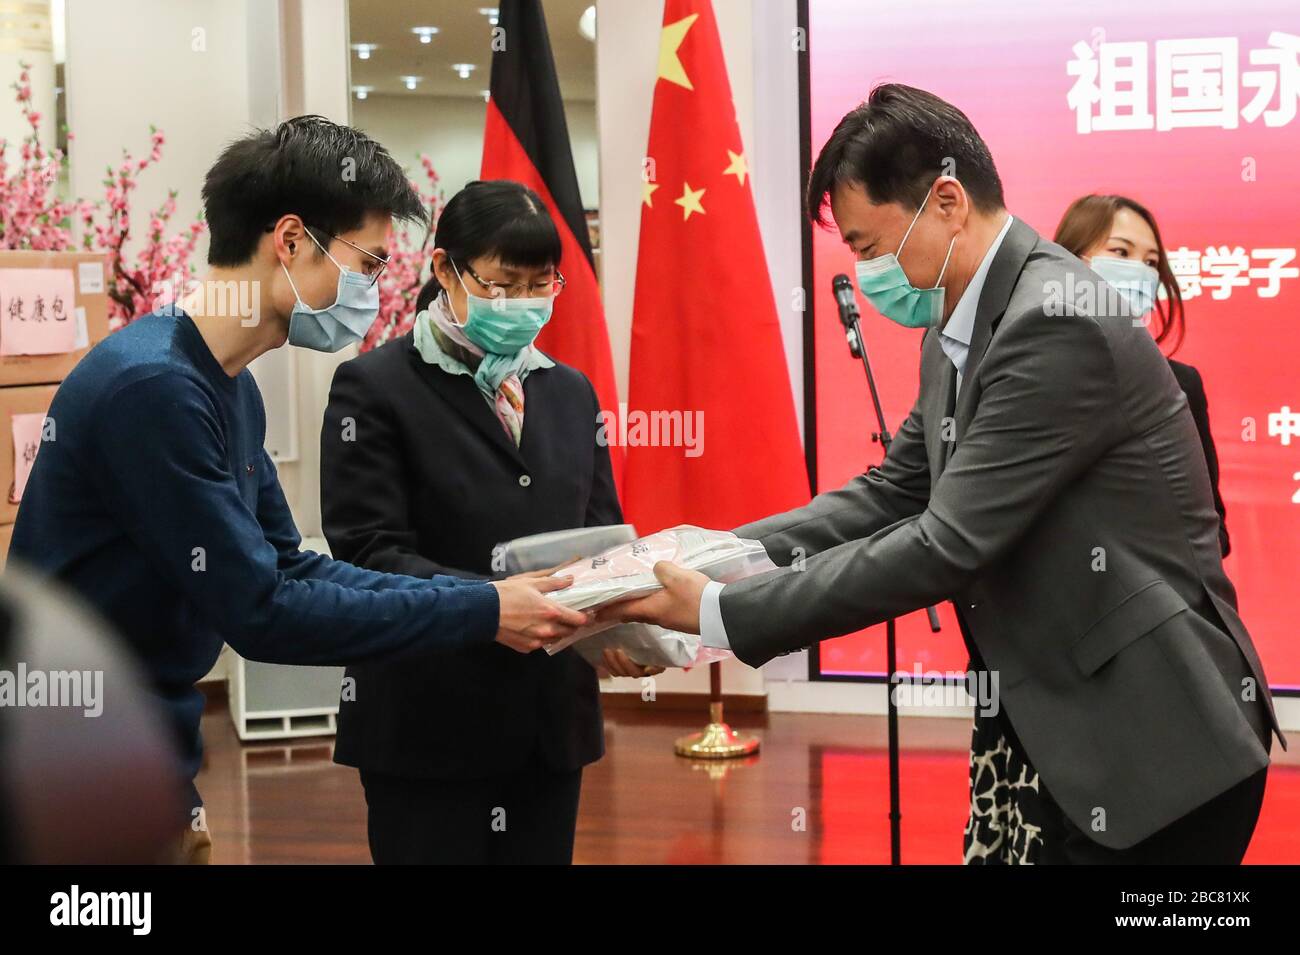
1050	482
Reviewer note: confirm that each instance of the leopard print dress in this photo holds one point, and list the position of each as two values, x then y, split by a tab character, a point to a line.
1008	806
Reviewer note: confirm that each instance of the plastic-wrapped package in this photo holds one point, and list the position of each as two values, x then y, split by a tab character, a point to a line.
647	645
627	570
539	551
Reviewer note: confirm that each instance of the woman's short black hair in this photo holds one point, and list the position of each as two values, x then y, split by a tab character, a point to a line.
431	290
501	218
332	176
895	145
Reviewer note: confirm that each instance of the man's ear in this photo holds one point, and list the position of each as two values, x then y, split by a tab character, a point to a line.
952	199
288	234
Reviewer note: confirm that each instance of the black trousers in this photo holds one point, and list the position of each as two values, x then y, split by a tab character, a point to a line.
524	818
1215	833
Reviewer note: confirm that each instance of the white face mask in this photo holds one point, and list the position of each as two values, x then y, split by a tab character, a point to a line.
1137	282
343	323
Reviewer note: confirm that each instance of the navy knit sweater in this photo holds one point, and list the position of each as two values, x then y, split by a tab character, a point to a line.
157	503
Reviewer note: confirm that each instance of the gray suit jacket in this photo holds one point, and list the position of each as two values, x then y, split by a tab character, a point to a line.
1135	689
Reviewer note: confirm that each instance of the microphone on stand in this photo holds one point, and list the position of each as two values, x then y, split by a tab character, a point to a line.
847	303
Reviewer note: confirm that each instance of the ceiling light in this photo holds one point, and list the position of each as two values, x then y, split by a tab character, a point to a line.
491	14
587	23
411	81
425	33
364	49
362	91
463	70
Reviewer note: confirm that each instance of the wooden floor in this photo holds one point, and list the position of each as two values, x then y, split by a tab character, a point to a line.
284	803
817	793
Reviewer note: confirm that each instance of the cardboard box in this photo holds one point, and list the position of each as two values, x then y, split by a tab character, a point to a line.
24	399
90	285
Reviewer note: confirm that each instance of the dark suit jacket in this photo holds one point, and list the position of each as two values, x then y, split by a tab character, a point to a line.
1073	524
1189	379
428	484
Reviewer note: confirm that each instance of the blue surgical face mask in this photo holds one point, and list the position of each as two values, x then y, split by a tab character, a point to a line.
355	308
502	326
1138	282
884	284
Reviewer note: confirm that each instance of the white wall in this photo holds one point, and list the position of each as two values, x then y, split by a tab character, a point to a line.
184	69
26	36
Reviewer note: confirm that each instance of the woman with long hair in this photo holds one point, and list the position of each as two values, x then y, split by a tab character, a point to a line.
1118	237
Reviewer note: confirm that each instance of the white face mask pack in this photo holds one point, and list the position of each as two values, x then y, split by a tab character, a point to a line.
625	570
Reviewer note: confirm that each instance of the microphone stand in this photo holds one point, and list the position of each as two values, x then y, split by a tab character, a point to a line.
849	318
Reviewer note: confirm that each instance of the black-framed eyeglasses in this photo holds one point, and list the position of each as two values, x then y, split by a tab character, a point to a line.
383	262
548	289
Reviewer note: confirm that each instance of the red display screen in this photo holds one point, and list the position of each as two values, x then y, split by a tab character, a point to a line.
1189	108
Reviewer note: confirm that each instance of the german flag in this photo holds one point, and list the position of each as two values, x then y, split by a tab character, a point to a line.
527	140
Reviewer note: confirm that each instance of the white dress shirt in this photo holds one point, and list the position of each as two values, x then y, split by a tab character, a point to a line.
954	339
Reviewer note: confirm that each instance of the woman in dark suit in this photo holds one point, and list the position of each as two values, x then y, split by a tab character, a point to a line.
1119	238
436	447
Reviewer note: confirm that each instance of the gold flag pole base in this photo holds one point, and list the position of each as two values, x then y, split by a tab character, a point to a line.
717	740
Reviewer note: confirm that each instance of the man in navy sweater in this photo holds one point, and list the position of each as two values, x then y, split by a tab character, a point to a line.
156	501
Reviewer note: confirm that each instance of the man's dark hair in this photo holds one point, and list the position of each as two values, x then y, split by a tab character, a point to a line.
502	218
332	176
895	145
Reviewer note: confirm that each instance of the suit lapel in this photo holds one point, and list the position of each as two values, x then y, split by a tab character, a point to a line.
947	429
938	382
1001	280
460	392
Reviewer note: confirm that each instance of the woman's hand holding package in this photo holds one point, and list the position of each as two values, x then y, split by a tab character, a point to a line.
614	662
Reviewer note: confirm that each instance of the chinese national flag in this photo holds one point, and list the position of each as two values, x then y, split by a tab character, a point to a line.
705	336
527	140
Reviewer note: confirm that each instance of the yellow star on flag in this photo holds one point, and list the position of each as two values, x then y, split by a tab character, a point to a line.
690	201
670	67
737	167
647	190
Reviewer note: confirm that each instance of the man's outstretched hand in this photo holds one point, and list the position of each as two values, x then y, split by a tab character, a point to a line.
528	620
676	607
